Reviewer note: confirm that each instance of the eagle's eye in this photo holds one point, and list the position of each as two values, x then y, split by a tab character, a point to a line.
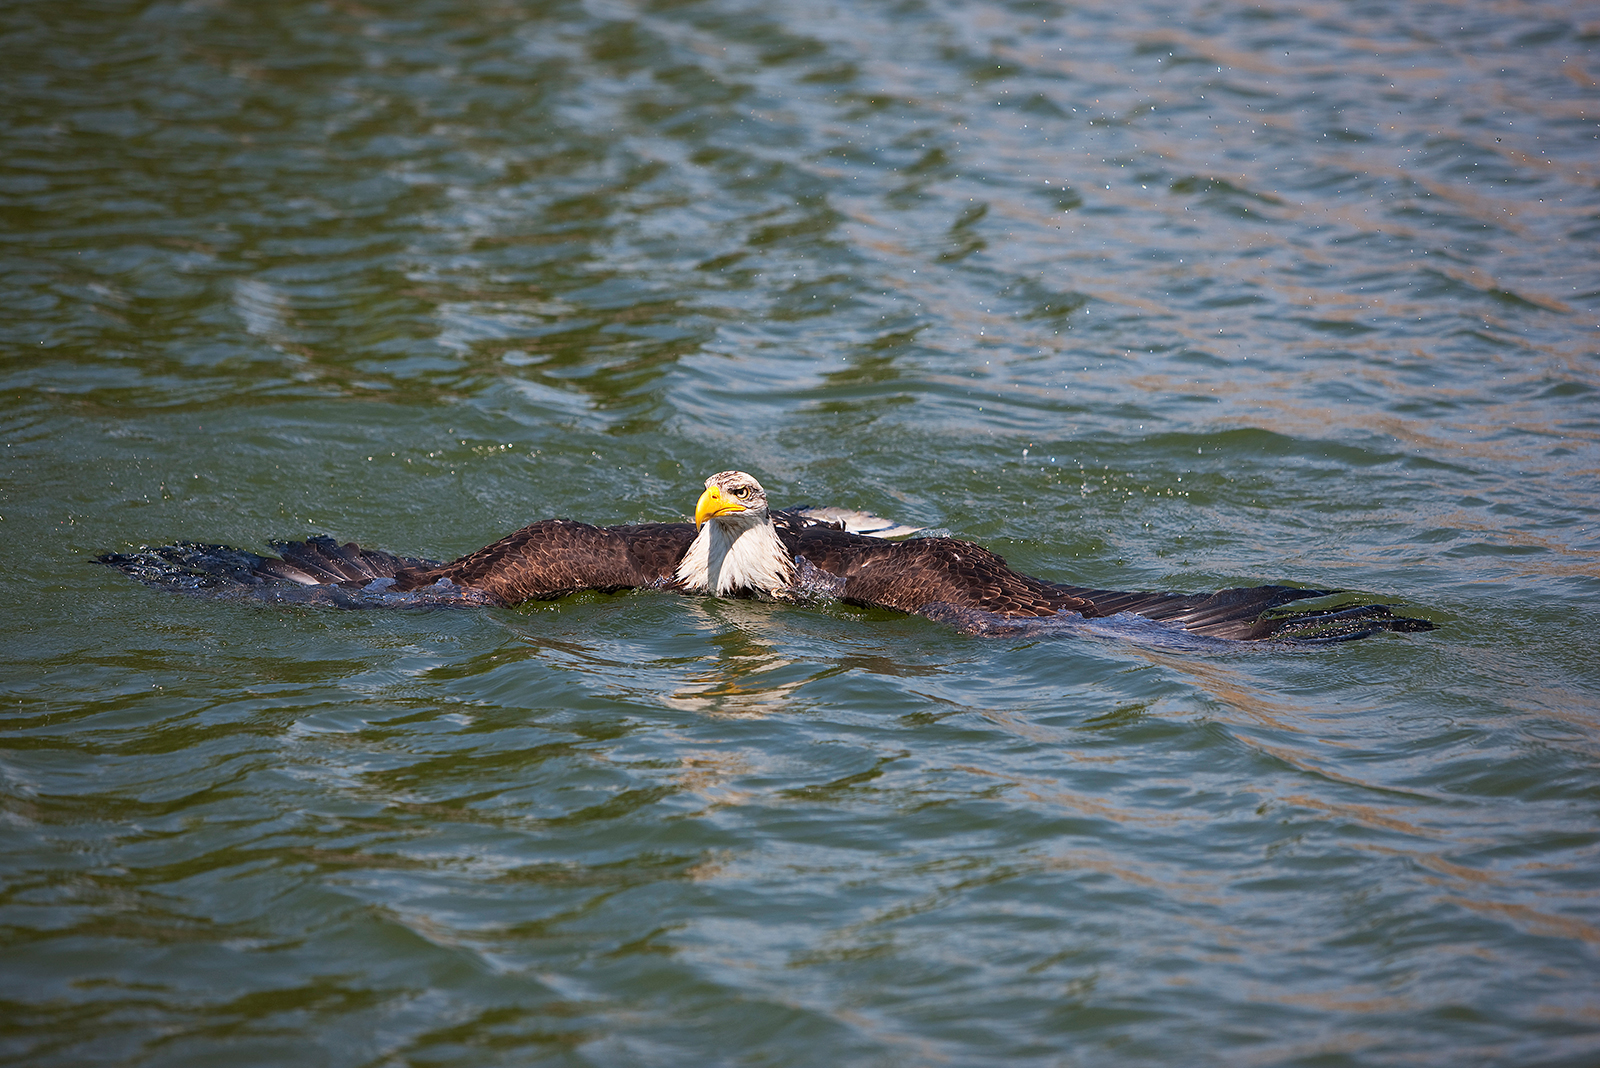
742	492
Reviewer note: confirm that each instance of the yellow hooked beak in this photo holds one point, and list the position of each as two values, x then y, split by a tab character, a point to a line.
713	502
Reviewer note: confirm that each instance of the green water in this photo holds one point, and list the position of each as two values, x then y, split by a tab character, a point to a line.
1138	295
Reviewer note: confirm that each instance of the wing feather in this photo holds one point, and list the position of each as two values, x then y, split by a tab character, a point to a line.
555	557
964	584
909	575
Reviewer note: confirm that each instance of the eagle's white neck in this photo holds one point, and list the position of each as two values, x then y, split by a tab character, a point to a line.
736	557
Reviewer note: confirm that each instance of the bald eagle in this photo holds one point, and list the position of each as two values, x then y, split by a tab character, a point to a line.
739	547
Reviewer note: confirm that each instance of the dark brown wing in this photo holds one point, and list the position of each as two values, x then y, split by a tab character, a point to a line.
558	556
910	575
956	582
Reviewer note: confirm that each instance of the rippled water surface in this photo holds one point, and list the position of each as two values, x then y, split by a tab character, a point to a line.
1139	295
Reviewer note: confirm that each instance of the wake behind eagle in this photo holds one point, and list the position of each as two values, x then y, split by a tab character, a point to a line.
738	546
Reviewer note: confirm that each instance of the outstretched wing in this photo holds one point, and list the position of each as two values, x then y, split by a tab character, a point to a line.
558	556
968	586
546	559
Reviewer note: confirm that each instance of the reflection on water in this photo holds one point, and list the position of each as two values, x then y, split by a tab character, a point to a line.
1142	296
740	675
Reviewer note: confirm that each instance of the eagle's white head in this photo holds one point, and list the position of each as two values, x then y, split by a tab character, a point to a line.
737	549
